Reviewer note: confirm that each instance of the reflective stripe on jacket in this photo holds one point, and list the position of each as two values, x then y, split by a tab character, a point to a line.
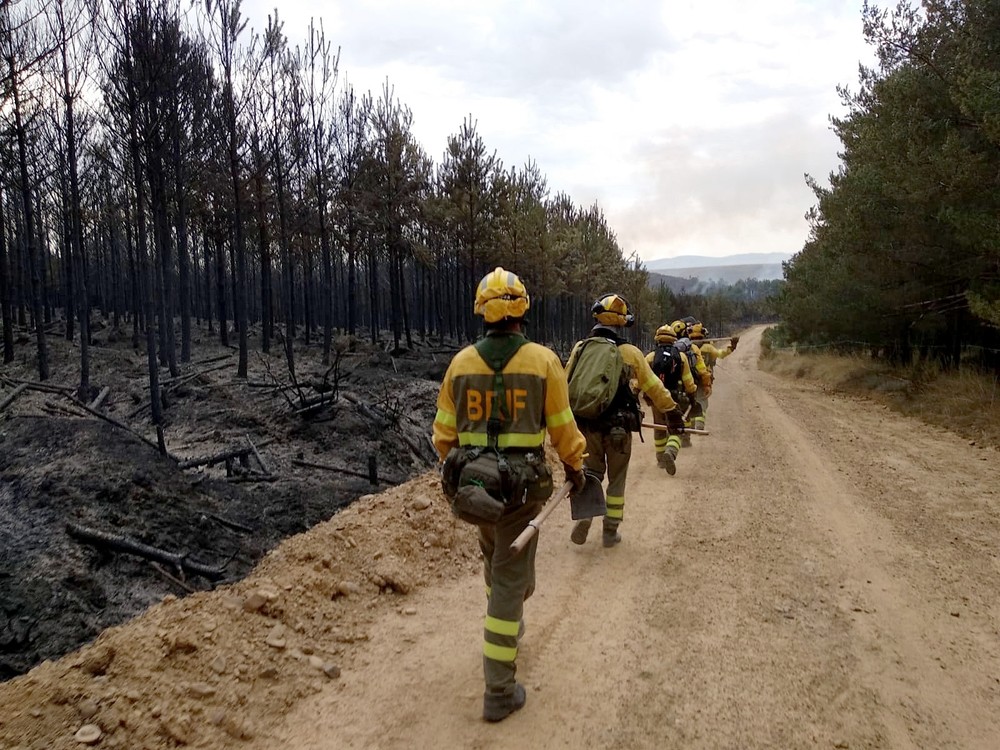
537	401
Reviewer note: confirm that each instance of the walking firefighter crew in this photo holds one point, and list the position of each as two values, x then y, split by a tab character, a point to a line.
497	400
711	356
599	371
700	372
674	371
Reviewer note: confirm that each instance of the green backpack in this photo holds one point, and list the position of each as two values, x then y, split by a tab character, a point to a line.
595	377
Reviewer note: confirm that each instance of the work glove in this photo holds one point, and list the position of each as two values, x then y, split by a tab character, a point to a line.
576	476
733	342
675	421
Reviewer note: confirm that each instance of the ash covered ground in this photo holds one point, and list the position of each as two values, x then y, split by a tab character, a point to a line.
62	468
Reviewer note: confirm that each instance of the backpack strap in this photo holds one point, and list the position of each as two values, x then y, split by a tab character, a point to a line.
496	350
579	353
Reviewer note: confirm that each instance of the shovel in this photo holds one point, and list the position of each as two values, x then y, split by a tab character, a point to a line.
593	498
588	502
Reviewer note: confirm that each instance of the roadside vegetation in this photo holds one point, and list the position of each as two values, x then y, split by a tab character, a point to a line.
903	253
965	401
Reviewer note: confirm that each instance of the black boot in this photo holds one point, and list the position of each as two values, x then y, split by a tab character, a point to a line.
580	530
665	461
611	537
497	707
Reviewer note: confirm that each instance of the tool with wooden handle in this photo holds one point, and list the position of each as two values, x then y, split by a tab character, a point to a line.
525	536
712	340
651	426
588	502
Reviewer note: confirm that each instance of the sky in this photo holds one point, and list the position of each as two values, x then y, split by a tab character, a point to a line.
692	124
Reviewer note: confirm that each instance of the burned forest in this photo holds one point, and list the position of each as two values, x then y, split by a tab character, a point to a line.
229	286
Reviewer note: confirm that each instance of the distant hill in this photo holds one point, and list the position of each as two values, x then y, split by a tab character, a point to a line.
684	263
675	284
689	272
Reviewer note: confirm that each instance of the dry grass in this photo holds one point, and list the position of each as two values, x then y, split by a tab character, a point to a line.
967	403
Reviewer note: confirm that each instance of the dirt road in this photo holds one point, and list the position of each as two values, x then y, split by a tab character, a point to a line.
819	573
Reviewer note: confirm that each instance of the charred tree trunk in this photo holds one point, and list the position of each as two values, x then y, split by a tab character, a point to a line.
183	259
220	288
266	293
352	278
165	269
6	314
288	306
146	280
76	233
29	225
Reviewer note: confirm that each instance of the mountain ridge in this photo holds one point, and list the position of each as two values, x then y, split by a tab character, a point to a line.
686	262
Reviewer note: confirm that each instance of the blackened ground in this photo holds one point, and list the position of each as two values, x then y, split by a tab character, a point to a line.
57	593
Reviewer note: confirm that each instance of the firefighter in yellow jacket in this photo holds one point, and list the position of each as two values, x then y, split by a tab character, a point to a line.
700	371
674	371
709	352
496	403
609	436
711	355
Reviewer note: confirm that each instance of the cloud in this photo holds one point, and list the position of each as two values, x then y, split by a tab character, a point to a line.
691	123
515	49
736	190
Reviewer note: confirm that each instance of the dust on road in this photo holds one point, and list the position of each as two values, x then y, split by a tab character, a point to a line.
820	572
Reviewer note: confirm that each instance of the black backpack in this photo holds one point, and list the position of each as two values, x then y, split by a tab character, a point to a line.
668	365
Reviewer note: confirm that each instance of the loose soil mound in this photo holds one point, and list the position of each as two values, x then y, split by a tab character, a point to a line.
214	669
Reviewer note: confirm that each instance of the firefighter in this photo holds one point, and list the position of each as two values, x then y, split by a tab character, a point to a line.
496	403
609	435
674	371
711	356
709	352
697	402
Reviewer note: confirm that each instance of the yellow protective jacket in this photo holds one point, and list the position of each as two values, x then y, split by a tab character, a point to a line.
687	380
638	370
701	369
537	401
711	354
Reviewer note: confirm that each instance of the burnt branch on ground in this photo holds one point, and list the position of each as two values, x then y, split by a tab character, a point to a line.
104	540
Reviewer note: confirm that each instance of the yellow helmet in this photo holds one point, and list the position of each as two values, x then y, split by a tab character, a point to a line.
679	327
698	331
501	296
665	335
613	310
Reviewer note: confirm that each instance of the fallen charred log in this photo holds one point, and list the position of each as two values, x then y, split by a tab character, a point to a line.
227	455
118	543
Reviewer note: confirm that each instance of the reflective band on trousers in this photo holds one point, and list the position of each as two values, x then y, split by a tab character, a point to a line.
674	440
616	507
501	627
499	653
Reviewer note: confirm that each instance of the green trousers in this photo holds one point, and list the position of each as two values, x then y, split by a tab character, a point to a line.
609	454
510	579
663	441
